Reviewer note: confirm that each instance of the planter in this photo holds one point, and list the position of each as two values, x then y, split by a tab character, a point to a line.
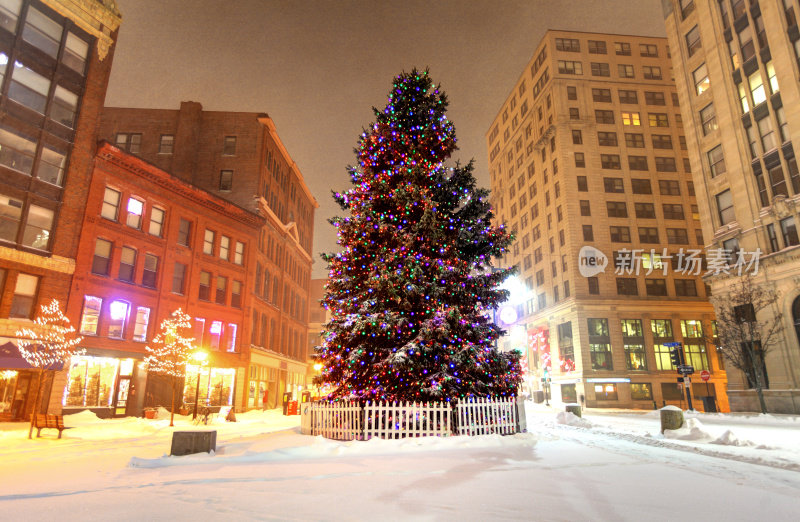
183	411
149	414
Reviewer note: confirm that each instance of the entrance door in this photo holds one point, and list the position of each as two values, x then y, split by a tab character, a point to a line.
121	402
19	406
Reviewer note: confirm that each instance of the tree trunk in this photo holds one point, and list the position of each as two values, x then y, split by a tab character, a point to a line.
35	409
756	363
172	408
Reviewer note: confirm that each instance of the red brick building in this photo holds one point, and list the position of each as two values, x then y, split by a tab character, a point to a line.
150	244
239	157
55	61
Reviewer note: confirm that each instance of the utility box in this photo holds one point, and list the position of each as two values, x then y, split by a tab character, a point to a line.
293	408
287	398
188	442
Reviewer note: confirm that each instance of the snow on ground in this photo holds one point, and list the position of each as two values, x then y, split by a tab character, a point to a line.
610	465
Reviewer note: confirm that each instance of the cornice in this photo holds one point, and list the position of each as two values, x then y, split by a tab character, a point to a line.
99	18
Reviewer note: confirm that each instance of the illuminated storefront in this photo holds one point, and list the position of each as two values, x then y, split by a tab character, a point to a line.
102	384
216	385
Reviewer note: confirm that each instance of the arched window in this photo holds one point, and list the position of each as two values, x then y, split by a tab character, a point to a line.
796	317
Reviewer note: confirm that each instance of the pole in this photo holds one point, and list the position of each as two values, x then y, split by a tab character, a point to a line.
196	393
688	384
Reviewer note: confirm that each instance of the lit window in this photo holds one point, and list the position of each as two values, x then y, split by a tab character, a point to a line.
75	52
37	227
110	204
17	148
757	88
29	88
91	315
701	81
117	317
199	330
135	209
22	304
238	256
216	334
630	118
156	221
42	32
224	247
142	321
208	242
231	337
773	80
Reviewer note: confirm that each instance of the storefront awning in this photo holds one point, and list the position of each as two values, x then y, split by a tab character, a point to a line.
11	359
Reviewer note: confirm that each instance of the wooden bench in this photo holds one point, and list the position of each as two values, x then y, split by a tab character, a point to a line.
55	422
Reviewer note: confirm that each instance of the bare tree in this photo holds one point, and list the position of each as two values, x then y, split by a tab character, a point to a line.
48	345
748	325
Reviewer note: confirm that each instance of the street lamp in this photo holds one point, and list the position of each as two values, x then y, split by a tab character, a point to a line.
200	357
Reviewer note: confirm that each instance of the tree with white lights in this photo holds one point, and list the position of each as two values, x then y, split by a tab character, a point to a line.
50	343
170	350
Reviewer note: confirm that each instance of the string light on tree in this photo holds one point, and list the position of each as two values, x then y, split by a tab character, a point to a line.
410	290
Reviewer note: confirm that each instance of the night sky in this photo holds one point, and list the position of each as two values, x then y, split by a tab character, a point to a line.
317	67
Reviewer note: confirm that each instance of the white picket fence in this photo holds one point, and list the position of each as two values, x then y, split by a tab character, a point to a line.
399	420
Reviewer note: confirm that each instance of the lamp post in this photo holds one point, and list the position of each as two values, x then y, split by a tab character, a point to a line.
201	358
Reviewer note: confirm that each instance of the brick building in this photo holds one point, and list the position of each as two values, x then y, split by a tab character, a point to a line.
55	60
239	157
587	154
736	66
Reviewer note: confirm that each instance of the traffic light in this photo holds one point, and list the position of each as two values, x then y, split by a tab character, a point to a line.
676	356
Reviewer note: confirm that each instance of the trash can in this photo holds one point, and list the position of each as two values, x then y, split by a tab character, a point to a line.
538	396
287	397
709	404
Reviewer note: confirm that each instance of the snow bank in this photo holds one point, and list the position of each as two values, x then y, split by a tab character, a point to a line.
570	419
692	429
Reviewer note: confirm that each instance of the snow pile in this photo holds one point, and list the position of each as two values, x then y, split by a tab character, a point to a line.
692	429
570	419
729	439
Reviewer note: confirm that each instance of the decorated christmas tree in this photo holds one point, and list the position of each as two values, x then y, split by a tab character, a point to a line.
170	351
411	293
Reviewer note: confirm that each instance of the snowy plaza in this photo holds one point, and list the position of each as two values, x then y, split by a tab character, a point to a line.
610	465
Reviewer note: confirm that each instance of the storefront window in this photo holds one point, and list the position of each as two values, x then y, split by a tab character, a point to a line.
216	385
8	382
91	381
606	392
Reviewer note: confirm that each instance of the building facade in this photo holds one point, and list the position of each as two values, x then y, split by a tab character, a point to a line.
239	157
55	61
736	66
589	168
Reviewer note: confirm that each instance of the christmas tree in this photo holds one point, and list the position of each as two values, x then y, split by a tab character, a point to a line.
170	350
412	292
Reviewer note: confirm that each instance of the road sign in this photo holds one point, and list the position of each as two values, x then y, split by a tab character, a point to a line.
672	345
705	375
687	382
685	369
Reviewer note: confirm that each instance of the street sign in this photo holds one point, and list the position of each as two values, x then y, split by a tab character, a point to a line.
687	382
685	369
672	345
705	375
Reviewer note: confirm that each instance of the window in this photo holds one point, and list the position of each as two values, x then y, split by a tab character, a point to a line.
789	231
179	279
773	238
42	32
773	80
693	40
651	72
743	99
610	161
620	234
101	261
127	264
117	319
150	270
216	334
141	323
594	285
129	142
600	344
585	207
22	304
662	334
645	210
685	288
204	292
229	146
604	116
236	294
633	342
184	232
613	185
631	118
628	97
672	210
677	236
634	140
583	186
627	286
767	133
708	119
601	95
622	48
669	187
37	227
648	234
654	98
569	67
568	44
641	186
662	141
222	290
110	207
588	233
616	209
600	69
135	210
572	92
199	331
156	221
637	162
665	164
238	254
657	119
166	144
75	52
579	160
607	139
657	287
648	50
208	242
226	180
597	47
725	207
28	88
224	247
64	107
90	317
625	71
757	88
716	161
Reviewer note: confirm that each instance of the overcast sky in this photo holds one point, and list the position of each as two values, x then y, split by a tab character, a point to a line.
318	66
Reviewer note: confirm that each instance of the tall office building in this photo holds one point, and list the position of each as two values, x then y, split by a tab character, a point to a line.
55	61
736	65
588	166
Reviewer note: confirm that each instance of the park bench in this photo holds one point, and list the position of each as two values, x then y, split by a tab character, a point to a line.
55	422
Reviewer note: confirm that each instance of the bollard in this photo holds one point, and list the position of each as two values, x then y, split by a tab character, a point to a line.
574	409
671	418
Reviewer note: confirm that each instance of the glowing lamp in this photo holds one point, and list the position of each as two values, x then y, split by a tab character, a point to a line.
135	207
508	314
118	310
